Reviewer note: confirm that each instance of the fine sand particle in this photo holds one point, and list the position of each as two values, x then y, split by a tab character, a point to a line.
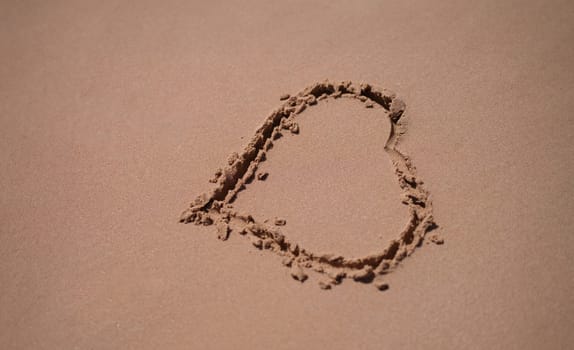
298	274
381	286
280	222
262	176
223	230
436	239
241	169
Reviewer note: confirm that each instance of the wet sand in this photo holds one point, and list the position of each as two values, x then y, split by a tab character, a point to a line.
114	117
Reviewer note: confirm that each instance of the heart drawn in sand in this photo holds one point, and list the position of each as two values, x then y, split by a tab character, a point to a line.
214	206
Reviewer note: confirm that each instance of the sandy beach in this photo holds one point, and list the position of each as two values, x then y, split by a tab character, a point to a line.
286	175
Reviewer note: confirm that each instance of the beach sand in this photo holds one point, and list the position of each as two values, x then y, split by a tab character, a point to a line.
115	116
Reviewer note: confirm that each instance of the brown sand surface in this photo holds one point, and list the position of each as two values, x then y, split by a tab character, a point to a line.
333	182
113	116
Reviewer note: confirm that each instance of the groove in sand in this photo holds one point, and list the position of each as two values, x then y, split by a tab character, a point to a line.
214	206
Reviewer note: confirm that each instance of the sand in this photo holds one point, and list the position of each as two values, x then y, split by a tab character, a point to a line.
114	116
337	137
216	206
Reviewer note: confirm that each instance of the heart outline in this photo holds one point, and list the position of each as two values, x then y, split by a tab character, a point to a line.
215	206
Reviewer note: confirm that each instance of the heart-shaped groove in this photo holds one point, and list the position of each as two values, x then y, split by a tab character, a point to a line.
214	207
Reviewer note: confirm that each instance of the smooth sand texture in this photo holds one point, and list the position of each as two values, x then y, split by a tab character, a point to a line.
114	115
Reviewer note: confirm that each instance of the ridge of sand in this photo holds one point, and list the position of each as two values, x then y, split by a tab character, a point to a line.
214	206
